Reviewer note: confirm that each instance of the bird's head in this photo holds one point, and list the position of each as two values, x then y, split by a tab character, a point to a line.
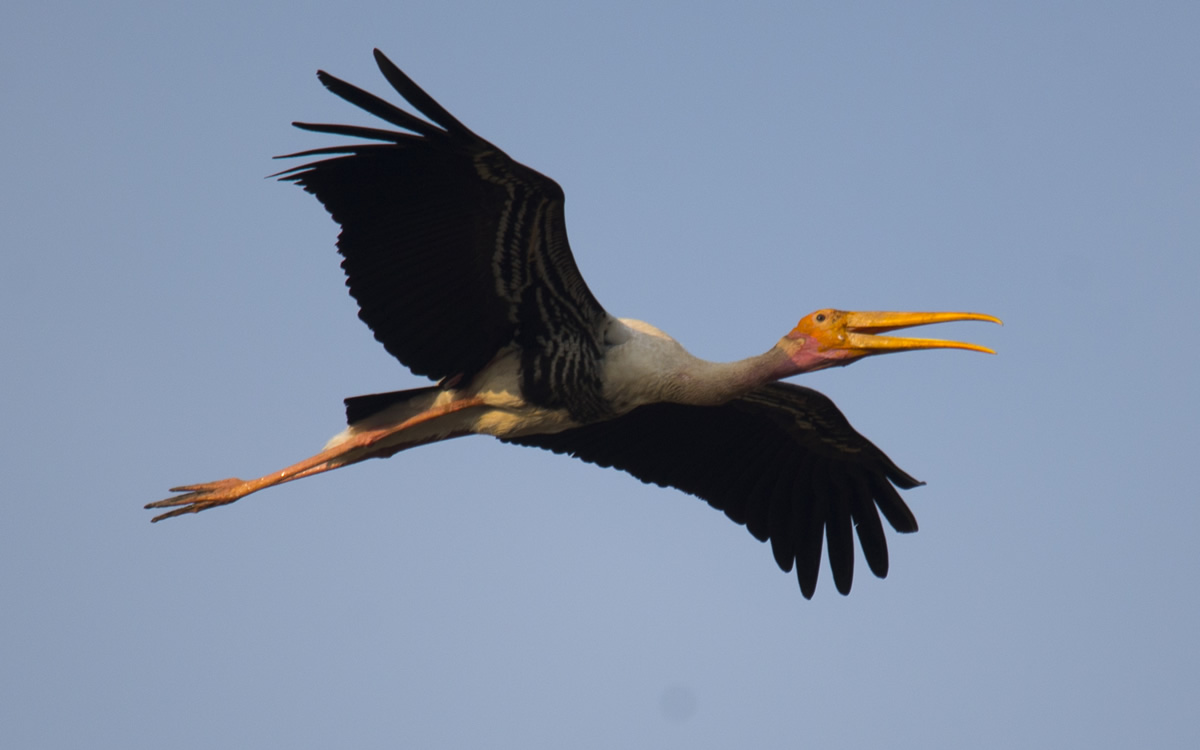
834	338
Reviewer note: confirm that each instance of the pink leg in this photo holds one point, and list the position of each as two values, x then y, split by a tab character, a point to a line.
198	497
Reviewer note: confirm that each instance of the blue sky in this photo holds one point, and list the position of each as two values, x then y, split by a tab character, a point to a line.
171	316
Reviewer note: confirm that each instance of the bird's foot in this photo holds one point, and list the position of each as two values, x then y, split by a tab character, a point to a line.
198	497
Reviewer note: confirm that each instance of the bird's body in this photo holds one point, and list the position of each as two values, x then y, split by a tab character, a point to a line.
641	365
458	258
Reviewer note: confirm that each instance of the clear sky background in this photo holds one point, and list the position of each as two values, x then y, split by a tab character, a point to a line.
168	315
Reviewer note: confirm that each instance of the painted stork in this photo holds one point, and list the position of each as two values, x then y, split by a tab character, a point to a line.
457	256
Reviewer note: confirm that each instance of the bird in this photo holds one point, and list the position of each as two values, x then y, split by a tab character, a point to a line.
457	256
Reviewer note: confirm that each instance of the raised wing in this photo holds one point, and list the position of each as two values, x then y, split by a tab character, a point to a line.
452	249
782	460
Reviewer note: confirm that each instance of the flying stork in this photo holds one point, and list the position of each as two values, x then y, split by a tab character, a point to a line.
457	256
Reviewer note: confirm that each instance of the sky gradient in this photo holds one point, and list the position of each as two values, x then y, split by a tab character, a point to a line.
171	316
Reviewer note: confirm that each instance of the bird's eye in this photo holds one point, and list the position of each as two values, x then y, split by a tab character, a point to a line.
820	317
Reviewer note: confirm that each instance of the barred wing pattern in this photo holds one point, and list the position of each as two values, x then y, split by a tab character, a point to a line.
782	460
454	251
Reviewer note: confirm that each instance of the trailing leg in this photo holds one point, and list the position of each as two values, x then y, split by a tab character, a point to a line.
378	441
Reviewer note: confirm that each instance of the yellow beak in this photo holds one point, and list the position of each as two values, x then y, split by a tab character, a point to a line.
862	329
856	334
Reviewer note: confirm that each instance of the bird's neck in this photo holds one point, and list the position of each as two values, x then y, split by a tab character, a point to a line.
713	383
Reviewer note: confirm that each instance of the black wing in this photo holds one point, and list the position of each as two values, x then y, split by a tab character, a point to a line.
453	250
782	460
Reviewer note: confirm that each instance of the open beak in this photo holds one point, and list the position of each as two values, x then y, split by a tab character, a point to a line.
862	331
857	334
